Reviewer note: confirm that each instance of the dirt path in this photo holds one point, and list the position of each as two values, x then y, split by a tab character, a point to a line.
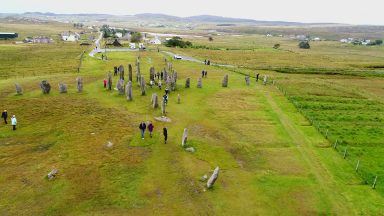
340	205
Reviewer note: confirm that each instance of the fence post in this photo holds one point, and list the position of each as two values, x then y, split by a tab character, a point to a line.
335	145
345	153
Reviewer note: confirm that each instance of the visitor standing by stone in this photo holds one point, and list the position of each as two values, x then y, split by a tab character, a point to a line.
159	84
166	91
165	133
105	83
4	115
205	74
142	128
161	75
150	128
257	77
202	73
14	122
165	98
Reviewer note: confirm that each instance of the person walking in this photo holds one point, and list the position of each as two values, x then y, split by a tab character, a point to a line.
14	122
4	115
161	75
202	73
165	133
105	83
142	127
150	129
257	77
205	74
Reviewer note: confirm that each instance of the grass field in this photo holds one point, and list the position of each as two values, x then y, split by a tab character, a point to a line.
273	160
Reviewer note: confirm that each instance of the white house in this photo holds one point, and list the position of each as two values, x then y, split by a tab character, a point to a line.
70	36
119	34
132	45
155	40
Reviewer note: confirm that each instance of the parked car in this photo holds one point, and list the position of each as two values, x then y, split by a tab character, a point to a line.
177	57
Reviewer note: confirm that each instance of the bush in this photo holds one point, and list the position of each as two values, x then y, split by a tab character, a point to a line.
304	45
136	37
178	42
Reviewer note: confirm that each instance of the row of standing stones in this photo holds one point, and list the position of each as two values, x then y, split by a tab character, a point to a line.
45	87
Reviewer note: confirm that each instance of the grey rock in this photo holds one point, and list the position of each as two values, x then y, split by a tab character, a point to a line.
211	181
45	87
19	90
63	88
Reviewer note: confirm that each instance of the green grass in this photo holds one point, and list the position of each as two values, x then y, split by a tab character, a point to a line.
272	160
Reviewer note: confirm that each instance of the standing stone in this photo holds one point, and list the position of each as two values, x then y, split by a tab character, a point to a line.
188	82
79	82
121	71
62	88
265	80
45	86
19	90
155	101
128	90
163	111
130	72
142	85
185	137
178	98
247	80
165	75
152	74
51	175
109	81
120	87
199	83
173	80
211	181
225	81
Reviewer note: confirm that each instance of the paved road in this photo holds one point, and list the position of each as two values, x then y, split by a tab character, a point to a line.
188	58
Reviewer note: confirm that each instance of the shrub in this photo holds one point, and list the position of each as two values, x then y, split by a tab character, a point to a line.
304	45
178	42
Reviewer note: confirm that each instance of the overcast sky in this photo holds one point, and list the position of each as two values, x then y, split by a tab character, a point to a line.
340	11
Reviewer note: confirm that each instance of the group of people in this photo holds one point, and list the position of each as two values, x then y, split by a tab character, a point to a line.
4	115
150	128
204	73
207	62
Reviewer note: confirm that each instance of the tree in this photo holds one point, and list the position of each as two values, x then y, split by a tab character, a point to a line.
304	45
136	37
378	42
178	42
276	46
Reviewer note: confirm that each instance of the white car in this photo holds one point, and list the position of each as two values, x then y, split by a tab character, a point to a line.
177	57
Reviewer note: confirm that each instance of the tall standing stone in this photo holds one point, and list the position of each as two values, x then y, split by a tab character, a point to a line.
128	91
165	77
265	80
130	72
225	81
120	87
19	90
184	138
142	85
152	74
199	83
45	87
62	88
211	181
79	82
247	80
121	72
109	81
188	82
155	101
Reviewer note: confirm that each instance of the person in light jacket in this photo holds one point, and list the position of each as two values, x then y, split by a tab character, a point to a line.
14	122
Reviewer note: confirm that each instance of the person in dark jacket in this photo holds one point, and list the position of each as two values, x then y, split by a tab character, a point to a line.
142	128
257	77
165	133
4	115
161	75
150	129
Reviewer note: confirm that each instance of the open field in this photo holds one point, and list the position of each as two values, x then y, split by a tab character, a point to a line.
273	160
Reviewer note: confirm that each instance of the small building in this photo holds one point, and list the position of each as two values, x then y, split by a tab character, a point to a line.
119	34
155	40
132	45
70	36
8	35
